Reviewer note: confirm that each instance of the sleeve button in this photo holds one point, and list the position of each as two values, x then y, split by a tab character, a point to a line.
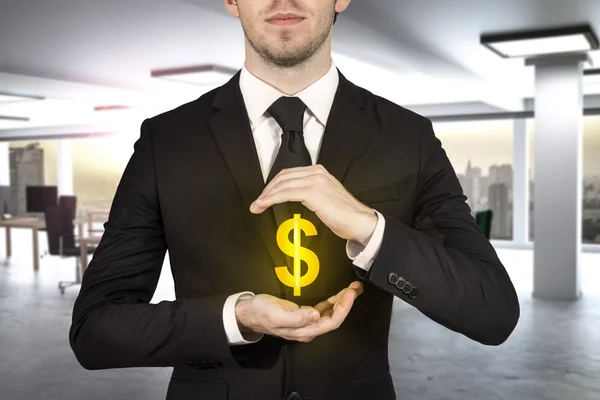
393	278
413	293
401	282
407	287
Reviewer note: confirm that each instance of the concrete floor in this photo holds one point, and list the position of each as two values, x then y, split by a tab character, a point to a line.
554	352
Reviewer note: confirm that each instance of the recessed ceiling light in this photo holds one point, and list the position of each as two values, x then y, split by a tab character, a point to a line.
11	118
209	74
111	107
542	42
16	98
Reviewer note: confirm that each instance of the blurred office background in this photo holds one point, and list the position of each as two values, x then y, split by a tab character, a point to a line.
77	78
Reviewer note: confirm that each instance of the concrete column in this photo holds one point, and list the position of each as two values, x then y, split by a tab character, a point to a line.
64	167
4	164
520	182
558	172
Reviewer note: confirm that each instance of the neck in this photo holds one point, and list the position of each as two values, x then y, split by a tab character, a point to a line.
291	80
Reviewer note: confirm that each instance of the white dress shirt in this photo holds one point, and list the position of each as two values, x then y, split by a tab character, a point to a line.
318	97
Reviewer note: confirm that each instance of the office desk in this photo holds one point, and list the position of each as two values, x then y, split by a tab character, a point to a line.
24	222
84	242
90	218
92	238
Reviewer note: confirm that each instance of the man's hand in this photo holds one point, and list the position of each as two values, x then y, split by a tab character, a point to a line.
271	315
323	194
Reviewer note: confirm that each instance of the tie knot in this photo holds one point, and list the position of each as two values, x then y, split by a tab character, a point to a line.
289	113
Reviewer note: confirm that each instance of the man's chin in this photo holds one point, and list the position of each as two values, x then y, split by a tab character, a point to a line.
283	59
287	63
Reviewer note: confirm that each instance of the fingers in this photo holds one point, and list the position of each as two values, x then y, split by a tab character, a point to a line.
325	324
304	323
287	186
294	181
297	194
326	304
293	173
342	307
323	306
331	318
357	285
294	318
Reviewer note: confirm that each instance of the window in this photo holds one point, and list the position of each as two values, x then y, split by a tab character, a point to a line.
590	227
591	180
481	153
98	164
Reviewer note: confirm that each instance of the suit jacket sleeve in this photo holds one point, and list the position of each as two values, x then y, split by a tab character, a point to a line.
458	280
113	323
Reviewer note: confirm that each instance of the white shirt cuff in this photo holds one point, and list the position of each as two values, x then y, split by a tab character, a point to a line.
232	331
363	256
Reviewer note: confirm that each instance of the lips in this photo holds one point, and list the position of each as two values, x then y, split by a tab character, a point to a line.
284	17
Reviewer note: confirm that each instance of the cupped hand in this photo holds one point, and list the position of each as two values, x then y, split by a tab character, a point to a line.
271	315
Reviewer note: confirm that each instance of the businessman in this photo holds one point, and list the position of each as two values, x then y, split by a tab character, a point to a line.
213	179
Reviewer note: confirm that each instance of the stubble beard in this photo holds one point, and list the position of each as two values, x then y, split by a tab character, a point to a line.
284	52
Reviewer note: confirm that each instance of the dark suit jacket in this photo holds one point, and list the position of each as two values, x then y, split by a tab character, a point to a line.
188	188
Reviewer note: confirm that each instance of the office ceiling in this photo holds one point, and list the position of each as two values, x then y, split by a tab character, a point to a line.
83	53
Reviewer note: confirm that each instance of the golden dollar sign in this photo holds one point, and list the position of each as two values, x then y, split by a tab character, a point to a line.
298	253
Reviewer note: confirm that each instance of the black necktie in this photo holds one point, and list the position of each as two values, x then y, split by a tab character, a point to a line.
289	114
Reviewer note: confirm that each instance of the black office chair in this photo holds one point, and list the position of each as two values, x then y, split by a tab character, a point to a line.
68	204
484	221
61	239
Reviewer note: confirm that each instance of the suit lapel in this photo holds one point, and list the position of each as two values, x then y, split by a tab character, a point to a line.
345	137
233	135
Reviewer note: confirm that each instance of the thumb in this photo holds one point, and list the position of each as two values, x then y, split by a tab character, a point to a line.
313	313
301	317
